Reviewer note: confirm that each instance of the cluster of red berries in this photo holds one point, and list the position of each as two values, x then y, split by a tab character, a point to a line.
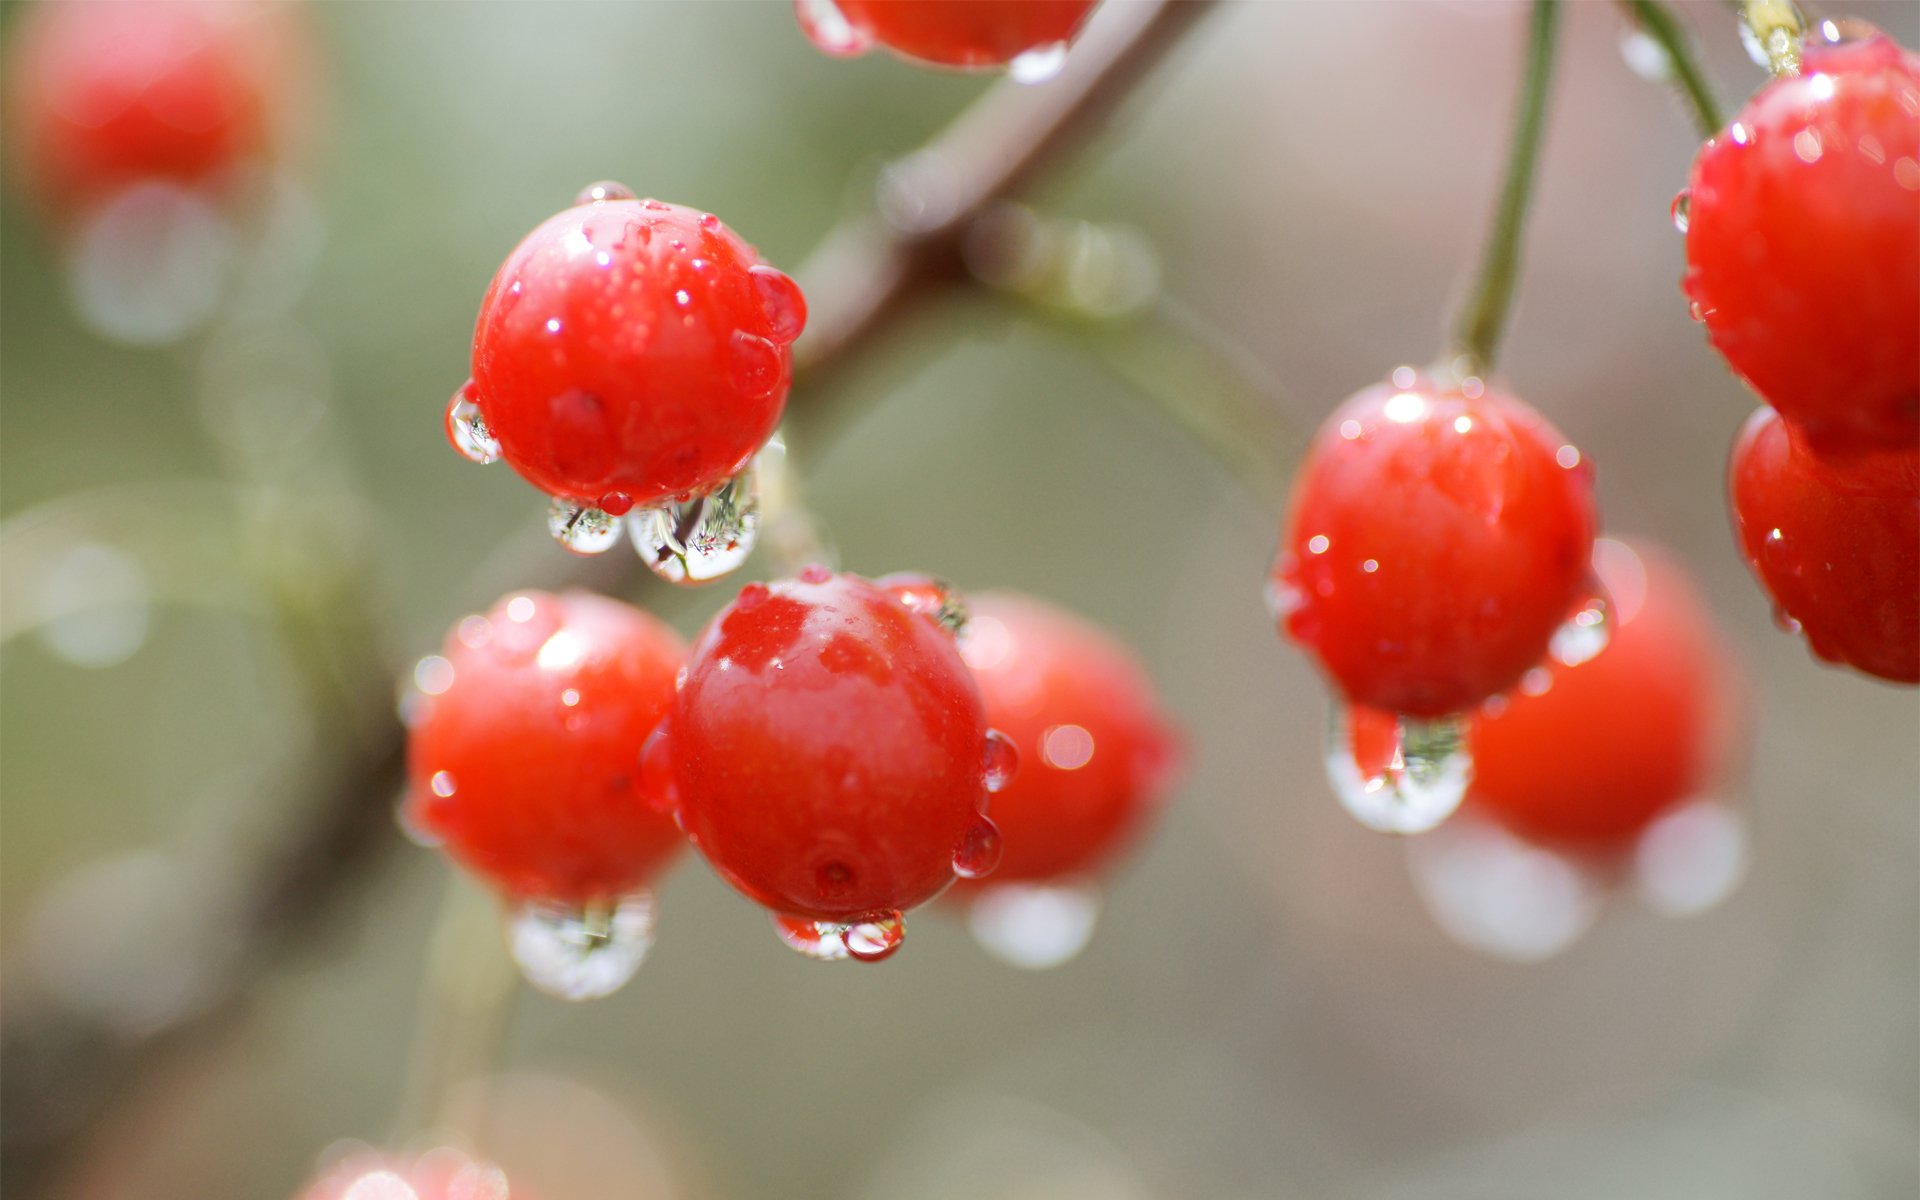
1802	224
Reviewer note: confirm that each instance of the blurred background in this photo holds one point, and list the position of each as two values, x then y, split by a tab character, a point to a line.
212	543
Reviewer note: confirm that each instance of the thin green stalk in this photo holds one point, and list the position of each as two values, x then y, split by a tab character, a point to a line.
1485	316
1657	21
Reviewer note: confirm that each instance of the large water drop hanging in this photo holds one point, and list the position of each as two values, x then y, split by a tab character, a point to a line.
702	538
581	951
1416	784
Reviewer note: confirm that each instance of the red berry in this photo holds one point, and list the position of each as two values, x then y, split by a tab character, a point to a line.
1609	745
1096	754
525	755
1803	245
827	748
443	1174
109	93
631	351
1438	537
1835	543
947	33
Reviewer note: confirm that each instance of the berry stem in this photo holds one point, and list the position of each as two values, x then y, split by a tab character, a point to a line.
1657	21
1777	26
1485	316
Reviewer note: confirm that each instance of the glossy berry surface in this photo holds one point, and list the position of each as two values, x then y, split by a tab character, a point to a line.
630	351
1096	754
525	755
1803	245
108	93
1835	543
827	748
1609	745
947	33
443	1174
1435	542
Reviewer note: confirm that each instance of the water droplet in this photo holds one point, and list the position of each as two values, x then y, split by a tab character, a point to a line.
1040	64
1034	926
758	366
701	538
1492	892
616	504
781	302
1585	633
582	952
1418	782
999	760
979	851
815	573
875	936
468	430
1697	311
1682	200
581	529
930	597
605	189
1645	56
1691	859
824	941
828	28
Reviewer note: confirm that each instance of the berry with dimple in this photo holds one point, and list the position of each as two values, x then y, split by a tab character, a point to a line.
109	93
948	33
523	755
1097	755
1835	542
1438	537
1590	756
1803	245
629	353
830	757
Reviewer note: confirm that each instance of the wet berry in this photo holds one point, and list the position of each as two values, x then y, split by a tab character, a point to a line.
631	352
827	749
443	1174
1803	245
947	33
108	93
1096	754
1438	536
524	755
1586	757
1836	543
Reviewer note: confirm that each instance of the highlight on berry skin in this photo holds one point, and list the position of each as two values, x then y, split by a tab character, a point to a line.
1613	776
1437	548
828	754
1030	38
364	1173
630	359
523	766
1098	757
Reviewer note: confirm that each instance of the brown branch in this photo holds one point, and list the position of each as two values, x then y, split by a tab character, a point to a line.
69	1073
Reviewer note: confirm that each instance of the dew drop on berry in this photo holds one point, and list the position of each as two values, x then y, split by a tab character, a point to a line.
815	573
1681	202
1691	858
1034	926
1404	779
1041	64
979	850
580	528
581	952
875	936
604	190
828	29
1584	634
703	537
1494	893
824	941
616	504
467	429
781	302
999	760
757	366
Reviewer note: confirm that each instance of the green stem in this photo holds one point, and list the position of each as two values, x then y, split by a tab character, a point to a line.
1658	22
1485	316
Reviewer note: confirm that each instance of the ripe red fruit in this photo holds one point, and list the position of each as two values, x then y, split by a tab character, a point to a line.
1803	245
1096	753
630	352
524	754
1588	763
443	1174
1438	537
828	751
1835	543
109	93
946	33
